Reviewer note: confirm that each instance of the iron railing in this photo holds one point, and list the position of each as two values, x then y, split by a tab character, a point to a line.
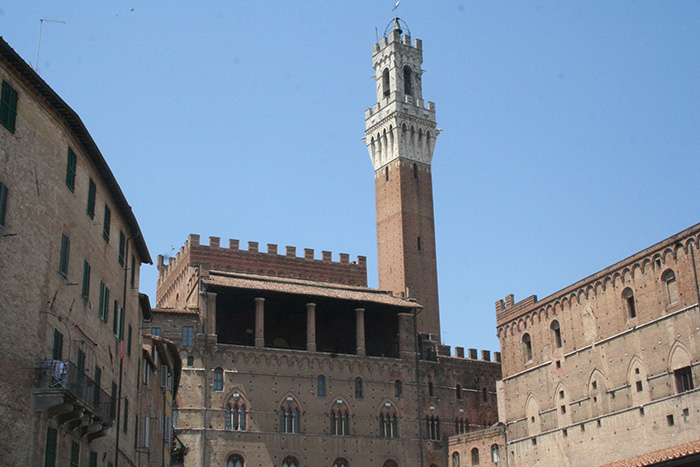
65	376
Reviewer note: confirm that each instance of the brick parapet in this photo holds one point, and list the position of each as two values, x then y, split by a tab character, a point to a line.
253	261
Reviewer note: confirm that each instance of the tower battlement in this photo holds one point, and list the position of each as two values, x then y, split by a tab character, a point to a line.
254	261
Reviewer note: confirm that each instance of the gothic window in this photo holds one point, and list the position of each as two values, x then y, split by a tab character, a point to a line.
340	462
684	379
321	386
236	415
669	279
415	171
398	388
485	394
235	461
431	389
385	83
218	379
475	456
407	81
432	427
340	419
495	453
290	461
455	459
358	388
289	416
388	422
556	333
461	425
390	463
527	347
458	391
628	297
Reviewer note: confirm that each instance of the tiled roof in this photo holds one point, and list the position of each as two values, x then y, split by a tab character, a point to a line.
303	287
176	311
662	455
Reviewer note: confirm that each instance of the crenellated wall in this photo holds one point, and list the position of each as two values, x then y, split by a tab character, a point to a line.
253	261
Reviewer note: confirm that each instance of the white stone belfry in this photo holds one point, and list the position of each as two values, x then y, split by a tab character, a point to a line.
399	124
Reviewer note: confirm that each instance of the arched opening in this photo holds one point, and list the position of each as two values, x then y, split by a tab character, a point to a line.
321	386
455	459
385	82
458	391
358	388
390	463
398	388
340	462
556	334
628	298
475	456
290	416
340	418
527	347
407	81
431	389
669	279
495	453
235	461
218	379
388	421
290	461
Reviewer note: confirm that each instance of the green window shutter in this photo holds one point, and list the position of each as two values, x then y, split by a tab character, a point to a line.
93	459
74	454
128	342
121	324
115	324
102	301
106	225
133	269
122	247
126	414
92	190
65	255
57	353
98	382
8	107
70	170
106	316
86	280
3	212
50	456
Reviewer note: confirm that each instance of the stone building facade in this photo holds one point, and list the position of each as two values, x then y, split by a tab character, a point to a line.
293	361
606	370
70	252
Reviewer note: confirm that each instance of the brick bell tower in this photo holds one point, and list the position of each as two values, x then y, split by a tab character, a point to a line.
400	136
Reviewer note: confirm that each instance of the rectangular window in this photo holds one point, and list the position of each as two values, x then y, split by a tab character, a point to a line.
3	204
98	382
57	353
128	342
93	459
684	379
115	320
74	454
126	414
86	280
121	324
146	432
70	170
187	336
8	106
122	247
104	302
92	190
65	255
50	455
133	270
155	331
146	373
106	225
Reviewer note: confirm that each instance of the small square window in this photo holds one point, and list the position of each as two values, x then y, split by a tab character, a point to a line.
599	423
561	394
565	432
669	420
558	364
563	409
639	386
594	384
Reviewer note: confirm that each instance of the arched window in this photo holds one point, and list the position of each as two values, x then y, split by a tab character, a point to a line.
358	388
289	416
407	81
475	456
218	379
390	463
669	278
458	391
628	297
321	386
527	347
388	422
398	388
415	171
556	333
431	389
340	462
235	461
461	425
236	414
339	418
290	461
432	427
495	453
385	82
455	459
485	394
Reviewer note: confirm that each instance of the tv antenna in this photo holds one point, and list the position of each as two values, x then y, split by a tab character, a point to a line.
38	47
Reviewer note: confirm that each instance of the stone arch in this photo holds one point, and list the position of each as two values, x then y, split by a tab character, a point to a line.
561	401
679	357
532	414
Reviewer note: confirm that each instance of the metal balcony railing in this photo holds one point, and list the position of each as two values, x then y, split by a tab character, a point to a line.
65	377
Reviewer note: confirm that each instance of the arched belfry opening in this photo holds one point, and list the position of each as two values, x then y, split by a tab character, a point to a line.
385	83
407	81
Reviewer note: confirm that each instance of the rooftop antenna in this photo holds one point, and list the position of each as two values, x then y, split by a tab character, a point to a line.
38	47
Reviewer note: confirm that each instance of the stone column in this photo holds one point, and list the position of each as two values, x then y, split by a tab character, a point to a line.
209	313
311	327
360	331
259	322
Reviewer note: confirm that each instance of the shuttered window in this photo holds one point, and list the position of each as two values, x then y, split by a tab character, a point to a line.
70	170
92	190
50	456
8	106
86	280
65	255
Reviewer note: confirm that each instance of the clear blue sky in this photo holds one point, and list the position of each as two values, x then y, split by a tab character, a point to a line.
571	129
